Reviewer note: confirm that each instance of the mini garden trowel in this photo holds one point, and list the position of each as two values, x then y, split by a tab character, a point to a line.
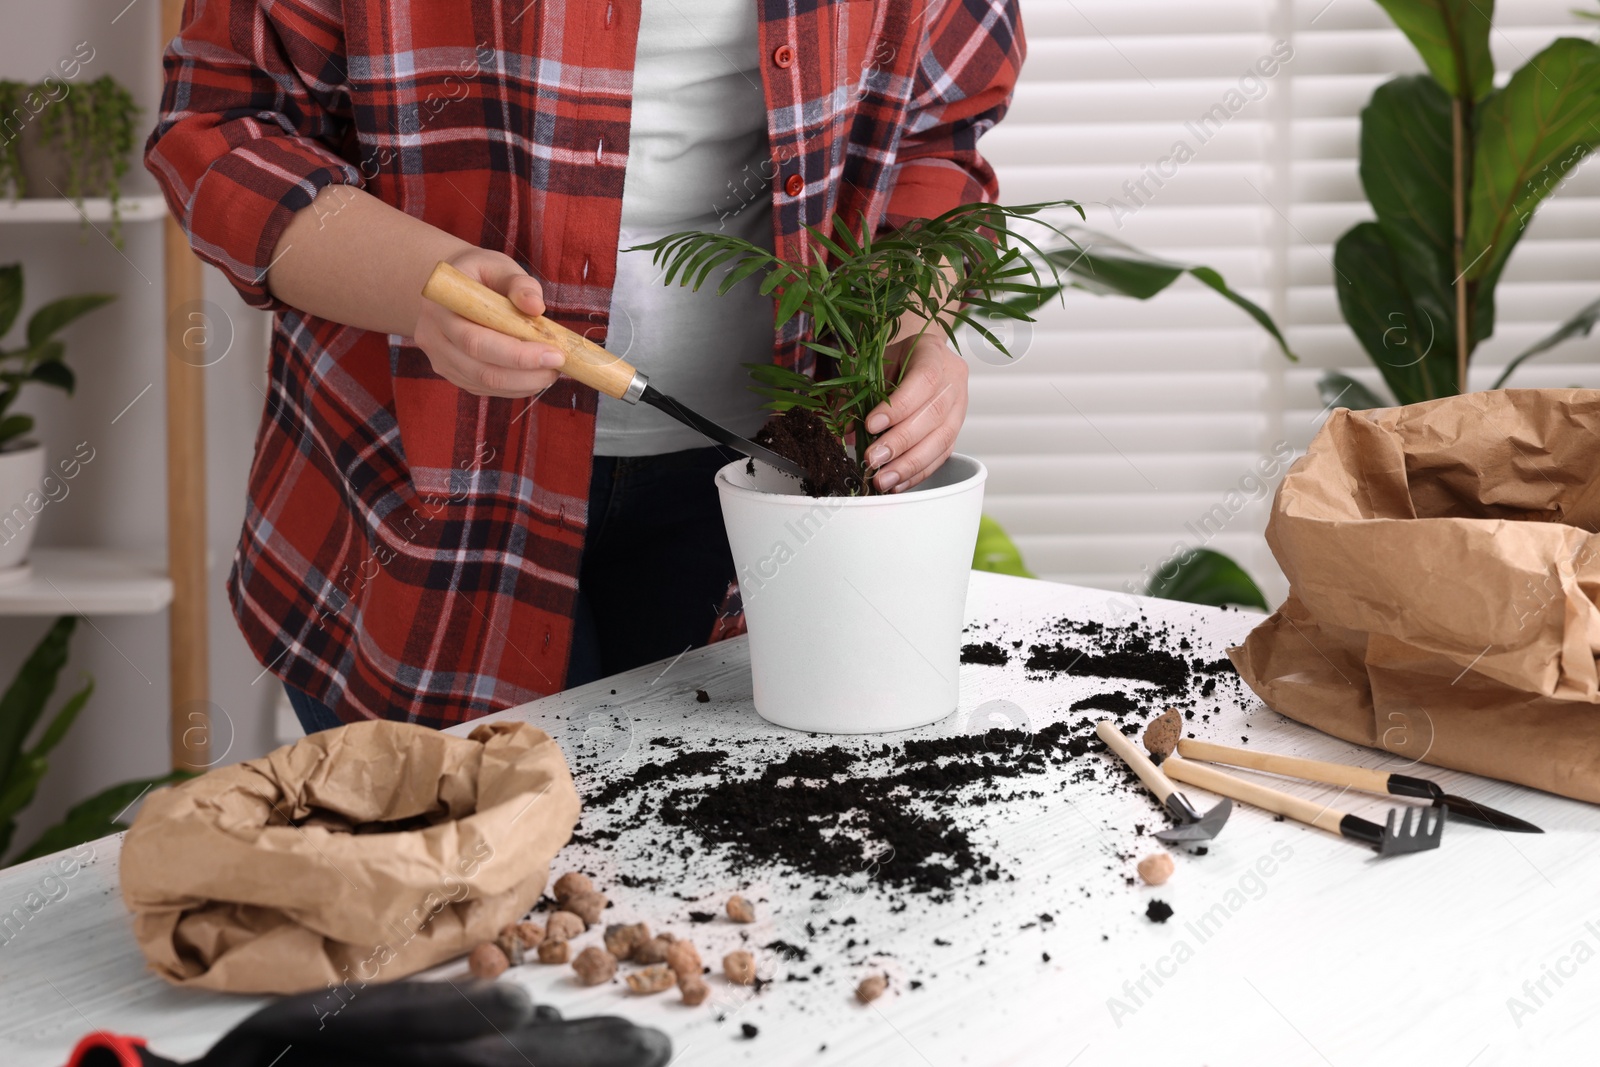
586	361
1365	779
1405	830
1192	826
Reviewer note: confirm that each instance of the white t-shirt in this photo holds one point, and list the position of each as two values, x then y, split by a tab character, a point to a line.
698	159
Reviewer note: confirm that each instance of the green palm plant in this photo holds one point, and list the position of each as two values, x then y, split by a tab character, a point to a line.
969	267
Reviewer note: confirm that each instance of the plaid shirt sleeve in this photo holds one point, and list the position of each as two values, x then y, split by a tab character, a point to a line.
967	66
253	114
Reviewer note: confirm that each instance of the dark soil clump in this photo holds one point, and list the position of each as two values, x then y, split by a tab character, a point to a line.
683	765
1159	911
800	435
1113	652
1117	702
985	652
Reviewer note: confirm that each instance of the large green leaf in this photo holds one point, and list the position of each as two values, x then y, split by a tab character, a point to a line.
10	296
1416	360
1210	278
1208	577
14	426
95	817
1530	135
1099	263
24	699
1340	390
1578	325
54	372
62	721
1453	38
1406	169
1108	267
20	786
43	324
996	553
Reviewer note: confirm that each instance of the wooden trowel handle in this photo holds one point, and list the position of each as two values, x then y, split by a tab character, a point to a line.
586	361
1148	772
1312	770
1322	816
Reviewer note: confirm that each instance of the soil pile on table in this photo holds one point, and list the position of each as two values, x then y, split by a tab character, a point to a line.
840	827
891	811
1101	651
985	652
803	437
833	813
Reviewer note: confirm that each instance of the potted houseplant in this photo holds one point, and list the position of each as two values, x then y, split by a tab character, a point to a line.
40	358
1455	169
855	600
23	766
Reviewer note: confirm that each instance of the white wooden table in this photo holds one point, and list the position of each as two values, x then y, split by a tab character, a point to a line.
1288	946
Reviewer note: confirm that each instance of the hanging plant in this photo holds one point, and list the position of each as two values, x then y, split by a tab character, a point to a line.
93	127
11	99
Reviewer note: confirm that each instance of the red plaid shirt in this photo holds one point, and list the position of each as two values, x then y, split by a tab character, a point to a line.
411	551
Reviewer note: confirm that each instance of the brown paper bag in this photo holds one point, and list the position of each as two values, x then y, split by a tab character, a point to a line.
1444	586
249	879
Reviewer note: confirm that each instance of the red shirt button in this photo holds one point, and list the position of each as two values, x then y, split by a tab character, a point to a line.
783	56
795	185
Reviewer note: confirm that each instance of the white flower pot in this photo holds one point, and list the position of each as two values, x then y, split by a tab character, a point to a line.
21	475
854	604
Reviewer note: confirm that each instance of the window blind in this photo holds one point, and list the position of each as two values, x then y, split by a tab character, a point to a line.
1125	431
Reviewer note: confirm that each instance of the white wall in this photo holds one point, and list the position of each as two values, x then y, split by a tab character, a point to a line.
120	498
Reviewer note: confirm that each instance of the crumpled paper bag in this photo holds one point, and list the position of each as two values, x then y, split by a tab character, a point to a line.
1444	586
249	879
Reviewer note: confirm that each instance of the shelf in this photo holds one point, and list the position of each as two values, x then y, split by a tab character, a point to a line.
134	209
89	581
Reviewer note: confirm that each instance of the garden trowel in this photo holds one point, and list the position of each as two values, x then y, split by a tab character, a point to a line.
585	361
1192	826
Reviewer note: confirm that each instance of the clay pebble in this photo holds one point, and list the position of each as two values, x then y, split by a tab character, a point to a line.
563	926
487	961
1161	736
739	967
570	885
652	980
586	906
594	966
1155	868
623	939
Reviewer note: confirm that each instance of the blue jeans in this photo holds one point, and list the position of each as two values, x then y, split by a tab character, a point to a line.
656	561
313	714
656	564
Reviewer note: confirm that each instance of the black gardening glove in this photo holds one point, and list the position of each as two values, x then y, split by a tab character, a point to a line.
441	1024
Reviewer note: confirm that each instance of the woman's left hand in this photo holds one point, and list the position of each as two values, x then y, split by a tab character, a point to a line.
922	417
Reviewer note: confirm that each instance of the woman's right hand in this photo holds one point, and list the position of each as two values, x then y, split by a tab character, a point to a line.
480	360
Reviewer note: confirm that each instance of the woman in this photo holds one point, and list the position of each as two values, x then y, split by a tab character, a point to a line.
440	525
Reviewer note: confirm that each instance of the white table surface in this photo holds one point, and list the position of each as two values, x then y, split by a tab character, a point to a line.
1332	958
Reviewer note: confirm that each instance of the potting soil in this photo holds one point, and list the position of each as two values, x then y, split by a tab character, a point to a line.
803	437
850	820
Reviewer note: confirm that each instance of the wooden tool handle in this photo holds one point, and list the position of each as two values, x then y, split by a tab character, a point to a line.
1147	771
586	361
1223	784
1368	781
